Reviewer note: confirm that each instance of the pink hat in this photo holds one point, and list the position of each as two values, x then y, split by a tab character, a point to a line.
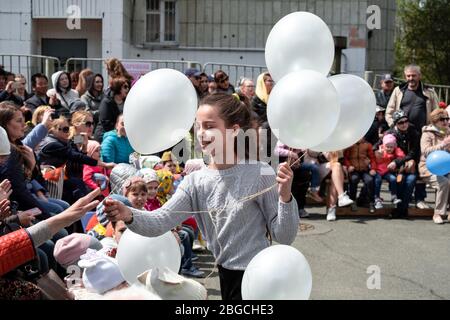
389	139
69	249
92	146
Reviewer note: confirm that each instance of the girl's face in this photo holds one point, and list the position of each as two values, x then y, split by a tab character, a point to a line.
120	127
98	84
87	126
212	135
16	127
171	167
269	84
63	81
137	199
212	87
389	148
62	132
152	188
96	154
124	90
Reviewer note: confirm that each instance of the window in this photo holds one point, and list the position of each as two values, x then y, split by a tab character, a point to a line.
161	21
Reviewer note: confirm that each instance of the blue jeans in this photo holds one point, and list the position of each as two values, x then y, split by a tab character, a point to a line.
406	190
186	259
315	174
389	177
54	206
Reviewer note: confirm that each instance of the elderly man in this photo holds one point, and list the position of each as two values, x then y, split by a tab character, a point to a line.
414	98
387	87
247	87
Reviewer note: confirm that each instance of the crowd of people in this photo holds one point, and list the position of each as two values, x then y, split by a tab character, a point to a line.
64	151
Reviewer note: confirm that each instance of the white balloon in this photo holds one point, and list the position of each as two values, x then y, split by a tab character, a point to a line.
358	109
159	110
277	273
299	41
137	254
303	109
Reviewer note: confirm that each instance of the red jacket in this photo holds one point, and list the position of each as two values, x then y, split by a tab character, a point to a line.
386	159
88	173
16	248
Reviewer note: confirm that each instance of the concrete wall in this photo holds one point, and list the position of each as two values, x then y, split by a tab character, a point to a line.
15	26
56	29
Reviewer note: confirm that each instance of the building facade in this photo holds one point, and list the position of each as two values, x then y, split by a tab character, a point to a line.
224	31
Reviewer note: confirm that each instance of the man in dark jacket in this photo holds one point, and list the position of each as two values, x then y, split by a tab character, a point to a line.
39	84
409	141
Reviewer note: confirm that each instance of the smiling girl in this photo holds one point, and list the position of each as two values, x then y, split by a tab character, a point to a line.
227	198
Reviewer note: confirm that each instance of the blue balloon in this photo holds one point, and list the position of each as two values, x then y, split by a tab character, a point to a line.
438	163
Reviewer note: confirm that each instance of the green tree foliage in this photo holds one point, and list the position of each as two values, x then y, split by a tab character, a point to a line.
424	38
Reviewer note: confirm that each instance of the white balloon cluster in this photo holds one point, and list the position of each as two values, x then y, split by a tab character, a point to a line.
307	110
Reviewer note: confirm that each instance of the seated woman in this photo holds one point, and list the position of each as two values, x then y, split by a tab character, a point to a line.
436	137
329	165
115	146
57	150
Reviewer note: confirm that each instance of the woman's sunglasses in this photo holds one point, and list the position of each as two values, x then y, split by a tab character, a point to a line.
65	129
444	119
88	124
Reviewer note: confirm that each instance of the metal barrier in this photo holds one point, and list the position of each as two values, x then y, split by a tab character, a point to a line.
29	65
443	92
235	71
97	65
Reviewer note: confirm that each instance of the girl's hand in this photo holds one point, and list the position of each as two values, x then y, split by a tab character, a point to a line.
116	211
284	178
372	173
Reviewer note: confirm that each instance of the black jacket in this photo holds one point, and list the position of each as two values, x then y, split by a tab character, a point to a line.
13	171
54	152
108	114
35	102
5	96
260	107
372	136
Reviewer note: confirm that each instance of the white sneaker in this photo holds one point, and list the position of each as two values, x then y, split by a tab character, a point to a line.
331	214
378	204
396	200
437	219
422	205
344	200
